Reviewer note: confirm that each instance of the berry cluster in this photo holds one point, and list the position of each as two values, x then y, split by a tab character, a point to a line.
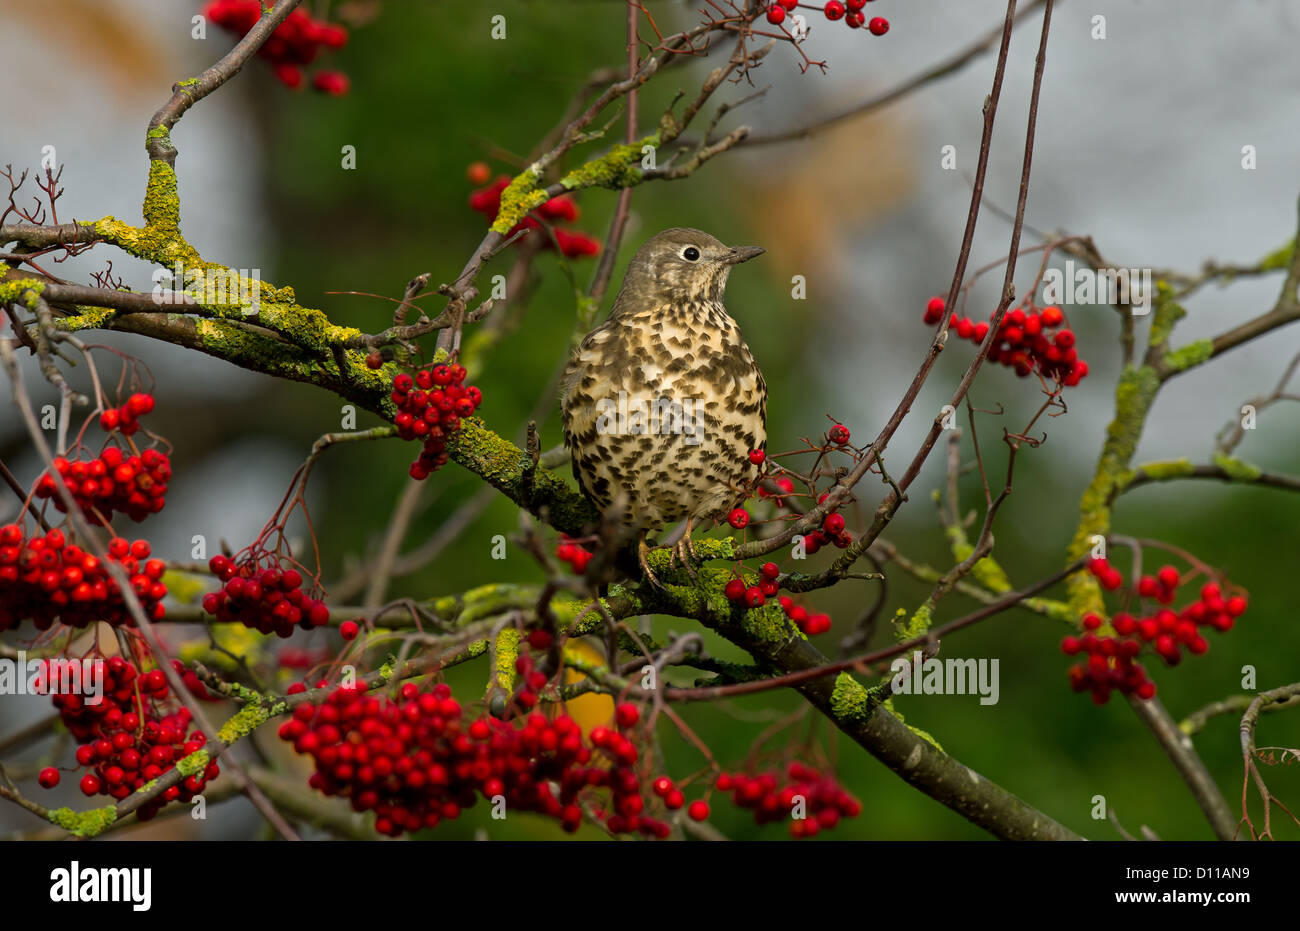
259	594
555	211
45	578
1110	665
575	554
832	530
848	10
1023	341
772	799
127	417
113	481
295	43
430	407
810	624
415	761
127	742
674	799
755	596
532	681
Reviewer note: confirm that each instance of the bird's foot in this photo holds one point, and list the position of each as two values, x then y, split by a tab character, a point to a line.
681	555
642	558
684	553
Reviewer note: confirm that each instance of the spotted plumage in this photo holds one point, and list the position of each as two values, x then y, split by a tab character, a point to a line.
663	402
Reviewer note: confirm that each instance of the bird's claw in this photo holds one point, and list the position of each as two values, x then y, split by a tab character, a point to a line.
642	554
684	553
681	554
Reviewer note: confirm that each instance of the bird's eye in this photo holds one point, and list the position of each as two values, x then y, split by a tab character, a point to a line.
690	253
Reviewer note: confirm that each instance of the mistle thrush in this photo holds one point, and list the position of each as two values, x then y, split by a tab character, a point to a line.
663	402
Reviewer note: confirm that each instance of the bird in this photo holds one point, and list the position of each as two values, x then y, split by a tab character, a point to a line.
663	403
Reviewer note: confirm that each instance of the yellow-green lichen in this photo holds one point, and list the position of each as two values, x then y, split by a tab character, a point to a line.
162	204
19	290
1133	398
1237	470
1192	354
917	625
617	168
850	702
507	652
84	823
520	196
87	318
1279	259
986	570
197	761
1167	469
160	243
1165	314
256	712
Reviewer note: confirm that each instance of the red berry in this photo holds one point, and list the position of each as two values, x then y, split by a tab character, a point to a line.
627	714
770	570
49	778
739	517
348	630
839	434
834	10
776	15
934	309
1052	317
757	456
699	809
734	589
878	26
139	404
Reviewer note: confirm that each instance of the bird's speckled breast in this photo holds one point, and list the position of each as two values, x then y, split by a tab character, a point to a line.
662	407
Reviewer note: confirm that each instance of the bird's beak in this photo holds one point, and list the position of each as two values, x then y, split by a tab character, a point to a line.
740	254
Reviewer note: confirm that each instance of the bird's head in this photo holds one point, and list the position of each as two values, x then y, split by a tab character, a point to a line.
683	265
